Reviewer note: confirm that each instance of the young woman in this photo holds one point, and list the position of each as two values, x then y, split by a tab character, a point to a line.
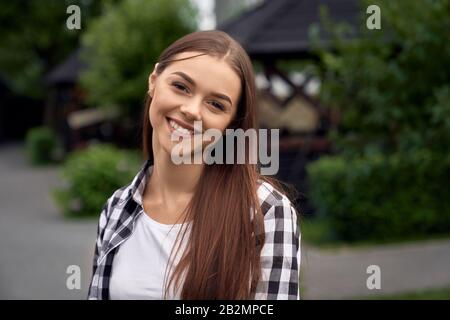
197	231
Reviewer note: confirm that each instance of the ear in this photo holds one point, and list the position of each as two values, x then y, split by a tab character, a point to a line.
152	81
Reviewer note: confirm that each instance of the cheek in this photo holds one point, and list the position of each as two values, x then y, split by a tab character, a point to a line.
225	122
151	115
218	123
154	110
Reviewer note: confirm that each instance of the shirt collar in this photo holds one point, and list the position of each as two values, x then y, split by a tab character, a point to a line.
139	182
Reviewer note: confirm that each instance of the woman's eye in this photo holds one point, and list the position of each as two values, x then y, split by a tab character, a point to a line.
181	87
217	105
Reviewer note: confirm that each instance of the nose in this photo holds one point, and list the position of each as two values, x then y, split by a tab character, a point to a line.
192	110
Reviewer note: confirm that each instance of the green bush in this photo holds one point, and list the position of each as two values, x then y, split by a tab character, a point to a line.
391	87
41	143
383	198
92	175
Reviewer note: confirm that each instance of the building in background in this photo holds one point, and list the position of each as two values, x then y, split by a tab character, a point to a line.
275	32
225	10
66	112
271	31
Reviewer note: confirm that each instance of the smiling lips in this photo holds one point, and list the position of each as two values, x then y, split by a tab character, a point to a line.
180	128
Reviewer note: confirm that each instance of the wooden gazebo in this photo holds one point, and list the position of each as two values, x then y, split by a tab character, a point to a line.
274	31
278	30
67	113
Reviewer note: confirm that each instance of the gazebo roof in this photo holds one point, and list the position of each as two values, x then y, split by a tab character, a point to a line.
68	71
272	30
279	28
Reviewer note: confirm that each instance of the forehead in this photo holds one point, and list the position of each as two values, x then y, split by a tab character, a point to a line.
211	74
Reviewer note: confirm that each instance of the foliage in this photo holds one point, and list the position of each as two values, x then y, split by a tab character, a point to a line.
34	38
391	86
383	197
428	294
40	144
122	46
92	175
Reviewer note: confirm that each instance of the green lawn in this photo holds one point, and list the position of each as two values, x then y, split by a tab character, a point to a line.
432	294
319	233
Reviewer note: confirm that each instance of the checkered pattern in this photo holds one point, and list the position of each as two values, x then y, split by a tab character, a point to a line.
280	255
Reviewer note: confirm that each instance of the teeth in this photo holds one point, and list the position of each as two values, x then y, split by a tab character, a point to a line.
180	129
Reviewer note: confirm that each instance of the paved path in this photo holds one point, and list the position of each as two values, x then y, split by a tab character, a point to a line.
331	274
37	245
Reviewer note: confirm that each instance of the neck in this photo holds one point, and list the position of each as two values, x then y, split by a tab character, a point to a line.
171	182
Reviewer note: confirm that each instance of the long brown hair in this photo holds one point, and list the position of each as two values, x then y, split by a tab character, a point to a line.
222	256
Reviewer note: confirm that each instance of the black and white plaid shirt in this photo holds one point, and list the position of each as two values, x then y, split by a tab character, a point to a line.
280	255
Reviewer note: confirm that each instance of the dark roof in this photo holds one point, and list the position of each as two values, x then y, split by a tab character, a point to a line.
279	28
67	72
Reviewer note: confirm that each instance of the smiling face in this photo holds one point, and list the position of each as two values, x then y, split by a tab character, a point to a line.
202	88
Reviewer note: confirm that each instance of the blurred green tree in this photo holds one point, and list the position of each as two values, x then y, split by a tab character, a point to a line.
392	89
34	38
391	86
122	46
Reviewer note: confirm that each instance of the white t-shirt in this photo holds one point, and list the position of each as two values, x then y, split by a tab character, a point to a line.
139	265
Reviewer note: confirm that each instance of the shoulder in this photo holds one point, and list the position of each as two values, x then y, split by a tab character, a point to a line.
133	189
280	254
279	212
272	199
116	201
120	197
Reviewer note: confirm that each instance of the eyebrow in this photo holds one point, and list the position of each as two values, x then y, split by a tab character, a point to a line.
191	81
